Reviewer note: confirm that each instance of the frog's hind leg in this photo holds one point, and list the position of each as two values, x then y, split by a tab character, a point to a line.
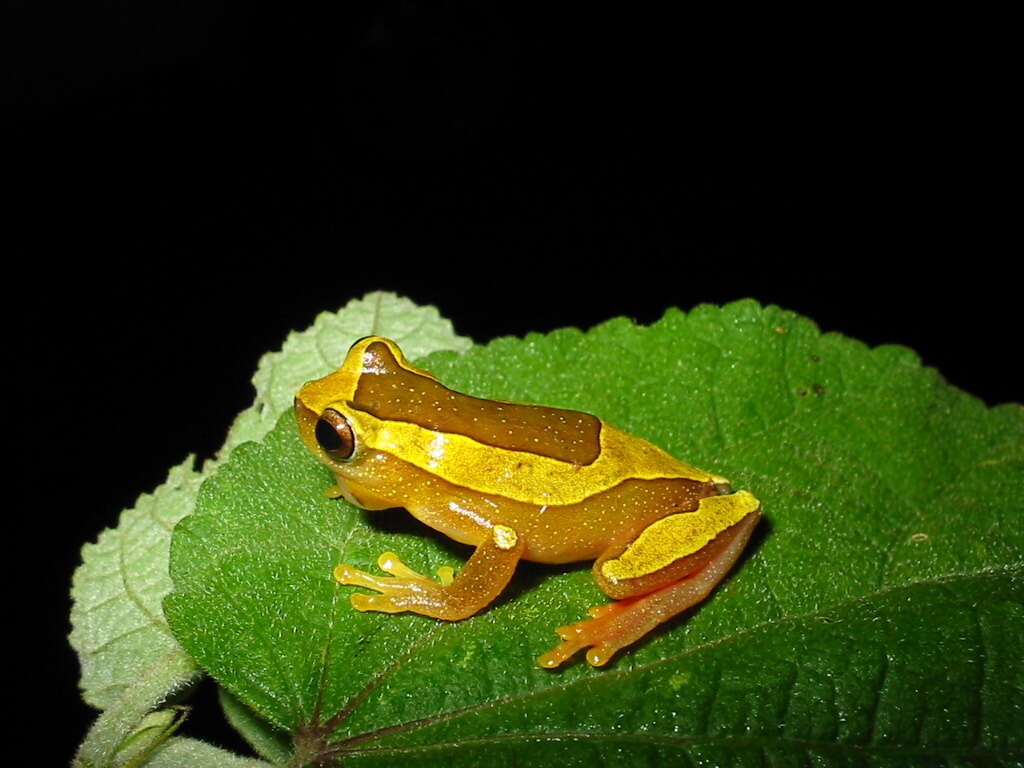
618	624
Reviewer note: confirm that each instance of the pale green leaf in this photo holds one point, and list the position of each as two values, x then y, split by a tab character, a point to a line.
151	734
181	752
111	741
118	627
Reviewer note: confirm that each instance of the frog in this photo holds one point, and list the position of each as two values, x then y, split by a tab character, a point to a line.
519	481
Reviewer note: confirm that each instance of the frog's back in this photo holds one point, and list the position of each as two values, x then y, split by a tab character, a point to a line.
529	453
405	394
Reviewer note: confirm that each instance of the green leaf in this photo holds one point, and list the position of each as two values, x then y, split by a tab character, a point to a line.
877	617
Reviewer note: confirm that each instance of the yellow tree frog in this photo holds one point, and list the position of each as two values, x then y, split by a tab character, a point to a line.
519	482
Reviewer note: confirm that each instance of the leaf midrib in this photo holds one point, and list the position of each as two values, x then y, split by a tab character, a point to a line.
649	737
613	675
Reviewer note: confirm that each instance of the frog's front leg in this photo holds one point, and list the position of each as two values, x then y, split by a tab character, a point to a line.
647	596
483	578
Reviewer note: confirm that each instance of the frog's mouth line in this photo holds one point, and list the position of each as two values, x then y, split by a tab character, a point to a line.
348	495
361	497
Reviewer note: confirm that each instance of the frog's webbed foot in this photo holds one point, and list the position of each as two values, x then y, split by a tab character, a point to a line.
398	591
611	627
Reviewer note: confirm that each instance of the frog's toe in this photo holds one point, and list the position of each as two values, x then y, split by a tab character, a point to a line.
445	575
599	655
346	574
557	655
391	563
379	603
600	610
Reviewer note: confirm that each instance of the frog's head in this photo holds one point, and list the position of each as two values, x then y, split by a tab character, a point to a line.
337	419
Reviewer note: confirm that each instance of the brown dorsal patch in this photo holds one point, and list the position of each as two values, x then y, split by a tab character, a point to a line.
389	391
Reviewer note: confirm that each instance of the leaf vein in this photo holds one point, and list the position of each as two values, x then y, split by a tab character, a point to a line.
613	675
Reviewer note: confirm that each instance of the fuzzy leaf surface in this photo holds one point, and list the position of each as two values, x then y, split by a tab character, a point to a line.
118	627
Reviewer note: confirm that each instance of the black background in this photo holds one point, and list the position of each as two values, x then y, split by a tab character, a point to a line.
194	182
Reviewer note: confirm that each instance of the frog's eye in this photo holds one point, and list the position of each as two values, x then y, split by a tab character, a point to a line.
334	434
